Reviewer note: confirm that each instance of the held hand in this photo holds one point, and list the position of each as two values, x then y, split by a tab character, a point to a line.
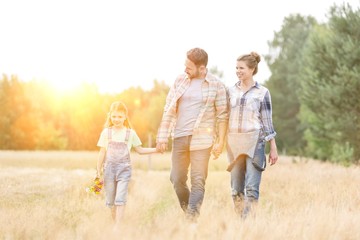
97	175
161	147
216	155
158	147
99	179
216	150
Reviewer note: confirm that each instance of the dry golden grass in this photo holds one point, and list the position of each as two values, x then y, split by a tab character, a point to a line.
43	197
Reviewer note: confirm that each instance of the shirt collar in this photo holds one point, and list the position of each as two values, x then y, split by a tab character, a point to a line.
209	77
257	85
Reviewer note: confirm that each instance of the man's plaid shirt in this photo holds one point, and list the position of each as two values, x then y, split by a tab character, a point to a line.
213	111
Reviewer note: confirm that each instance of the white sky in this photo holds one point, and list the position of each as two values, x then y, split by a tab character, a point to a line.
117	44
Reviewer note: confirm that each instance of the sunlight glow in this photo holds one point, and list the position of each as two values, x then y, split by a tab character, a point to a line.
62	87
137	102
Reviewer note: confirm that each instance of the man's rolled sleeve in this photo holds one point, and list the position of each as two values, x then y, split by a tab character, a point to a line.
168	118
221	103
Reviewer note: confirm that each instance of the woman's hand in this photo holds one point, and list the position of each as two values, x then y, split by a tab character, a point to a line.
273	156
217	150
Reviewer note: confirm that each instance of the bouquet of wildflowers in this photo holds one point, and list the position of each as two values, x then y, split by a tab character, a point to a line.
96	186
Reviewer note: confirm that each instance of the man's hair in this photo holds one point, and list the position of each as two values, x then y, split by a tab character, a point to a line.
198	56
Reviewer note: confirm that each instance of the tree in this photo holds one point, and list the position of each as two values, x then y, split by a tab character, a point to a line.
284	61
331	106
214	70
6	116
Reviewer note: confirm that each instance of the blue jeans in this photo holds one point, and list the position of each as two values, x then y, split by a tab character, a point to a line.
116	181
245	180
182	157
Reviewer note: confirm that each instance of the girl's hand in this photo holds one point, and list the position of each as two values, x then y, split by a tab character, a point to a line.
97	175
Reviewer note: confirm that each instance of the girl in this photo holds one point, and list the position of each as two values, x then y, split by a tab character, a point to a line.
115	142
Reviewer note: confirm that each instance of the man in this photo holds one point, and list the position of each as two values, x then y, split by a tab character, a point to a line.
196	114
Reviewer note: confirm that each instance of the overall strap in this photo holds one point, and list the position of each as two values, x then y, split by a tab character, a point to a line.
127	135
109	134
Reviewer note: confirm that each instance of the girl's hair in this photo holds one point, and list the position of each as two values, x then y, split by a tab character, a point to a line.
251	60
198	56
119	107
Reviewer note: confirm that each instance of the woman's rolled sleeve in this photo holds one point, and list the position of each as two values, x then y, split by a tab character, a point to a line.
266	117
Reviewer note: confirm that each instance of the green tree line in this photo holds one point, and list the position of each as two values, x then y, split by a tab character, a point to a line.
314	85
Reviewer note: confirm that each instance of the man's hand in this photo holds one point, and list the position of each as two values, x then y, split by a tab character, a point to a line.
161	147
216	150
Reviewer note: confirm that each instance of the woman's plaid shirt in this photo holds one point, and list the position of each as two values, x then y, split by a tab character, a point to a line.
251	111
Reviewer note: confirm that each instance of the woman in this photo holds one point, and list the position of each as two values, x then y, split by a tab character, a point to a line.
250	126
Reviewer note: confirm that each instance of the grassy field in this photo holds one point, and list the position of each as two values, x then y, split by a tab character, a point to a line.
43	197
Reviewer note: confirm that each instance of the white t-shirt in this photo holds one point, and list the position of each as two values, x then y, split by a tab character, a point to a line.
189	108
119	136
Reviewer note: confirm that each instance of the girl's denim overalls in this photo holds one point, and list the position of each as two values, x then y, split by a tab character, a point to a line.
117	171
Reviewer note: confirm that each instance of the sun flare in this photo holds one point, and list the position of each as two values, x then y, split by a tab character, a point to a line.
63	87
